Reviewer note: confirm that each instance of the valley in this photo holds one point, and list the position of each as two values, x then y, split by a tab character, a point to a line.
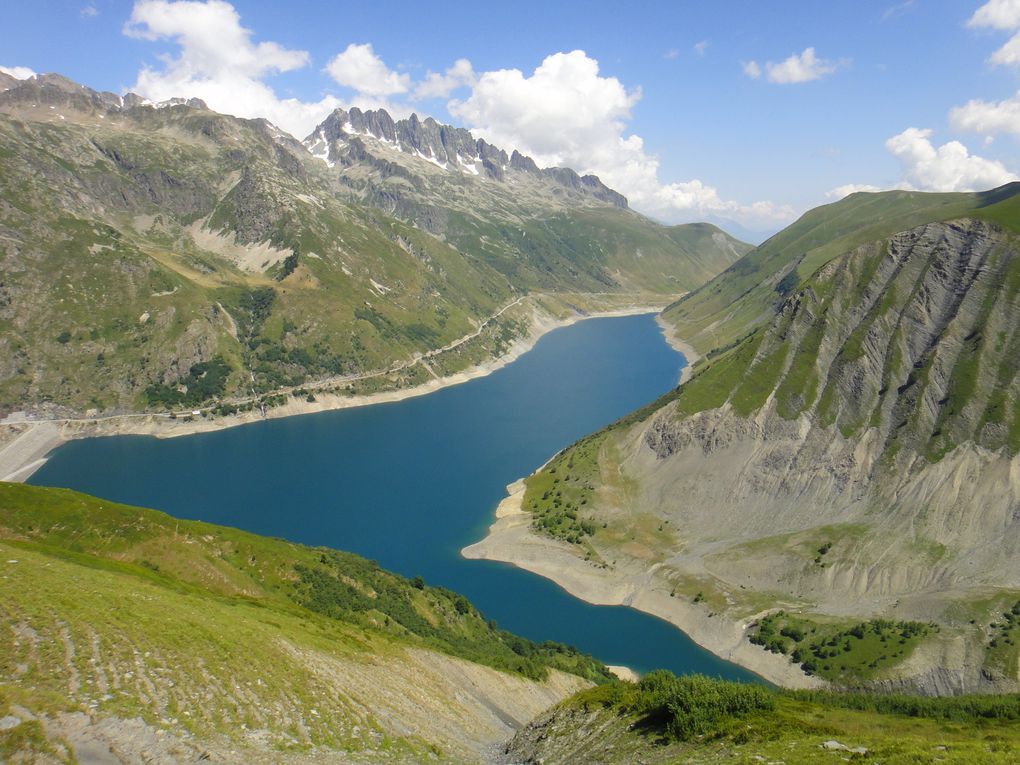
165	257
384	386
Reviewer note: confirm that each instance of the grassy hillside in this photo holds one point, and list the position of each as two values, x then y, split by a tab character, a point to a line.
211	633
664	719
747	293
138	243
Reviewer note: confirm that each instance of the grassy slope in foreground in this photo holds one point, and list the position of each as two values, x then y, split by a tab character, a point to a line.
211	633
664	719
746	294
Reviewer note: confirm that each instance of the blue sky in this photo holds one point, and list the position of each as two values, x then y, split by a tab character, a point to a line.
747	112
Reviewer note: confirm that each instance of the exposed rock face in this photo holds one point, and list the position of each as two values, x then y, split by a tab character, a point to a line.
449	147
879	411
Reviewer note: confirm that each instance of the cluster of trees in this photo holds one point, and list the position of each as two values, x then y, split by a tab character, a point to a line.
204	381
867	644
952	708
1003	631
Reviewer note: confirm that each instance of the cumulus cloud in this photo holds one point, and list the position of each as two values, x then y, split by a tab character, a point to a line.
1003	15
562	110
18	72
219	63
949	167
799	67
751	69
997	14
436	85
850	188
359	68
701	47
89	12
566	113
988	117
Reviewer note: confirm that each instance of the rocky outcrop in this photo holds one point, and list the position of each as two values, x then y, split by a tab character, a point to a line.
883	395
449	147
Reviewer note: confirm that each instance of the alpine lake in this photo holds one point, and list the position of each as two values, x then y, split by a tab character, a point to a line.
410	483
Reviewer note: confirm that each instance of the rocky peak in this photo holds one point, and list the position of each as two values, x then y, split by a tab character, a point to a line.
57	90
451	148
7	81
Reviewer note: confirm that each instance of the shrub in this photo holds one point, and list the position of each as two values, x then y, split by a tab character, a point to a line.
695	705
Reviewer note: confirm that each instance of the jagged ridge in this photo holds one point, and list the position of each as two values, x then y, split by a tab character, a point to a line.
336	141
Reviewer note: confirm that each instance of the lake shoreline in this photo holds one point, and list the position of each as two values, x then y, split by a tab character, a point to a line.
677	344
25	443
510	539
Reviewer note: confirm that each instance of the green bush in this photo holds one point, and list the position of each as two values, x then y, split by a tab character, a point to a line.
695	705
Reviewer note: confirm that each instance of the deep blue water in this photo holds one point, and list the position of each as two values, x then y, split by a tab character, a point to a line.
410	483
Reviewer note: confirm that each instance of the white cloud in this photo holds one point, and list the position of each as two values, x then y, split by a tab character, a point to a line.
89	12
436	85
800	67
1003	15
566	114
850	188
18	72
997	14
358	67
559	113
672	54
988	117
1009	53
220	64
949	167
211	38
701	47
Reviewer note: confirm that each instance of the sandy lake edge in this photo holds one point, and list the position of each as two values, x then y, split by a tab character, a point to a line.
510	539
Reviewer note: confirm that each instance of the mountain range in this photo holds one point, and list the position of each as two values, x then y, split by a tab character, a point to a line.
163	256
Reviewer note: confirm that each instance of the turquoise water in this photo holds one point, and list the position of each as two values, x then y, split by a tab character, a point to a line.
410	483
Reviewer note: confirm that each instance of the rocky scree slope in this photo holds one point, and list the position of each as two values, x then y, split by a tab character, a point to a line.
853	458
164	255
748	293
